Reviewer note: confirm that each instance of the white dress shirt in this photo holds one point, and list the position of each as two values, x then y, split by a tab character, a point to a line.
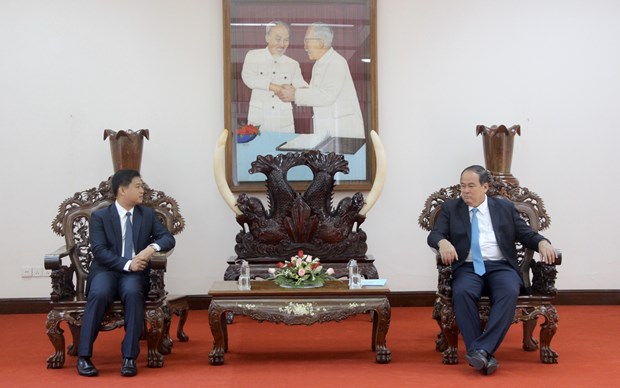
488	242
122	214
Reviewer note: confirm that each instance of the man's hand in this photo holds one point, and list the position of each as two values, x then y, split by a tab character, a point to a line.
275	88
141	260
447	252
547	252
287	93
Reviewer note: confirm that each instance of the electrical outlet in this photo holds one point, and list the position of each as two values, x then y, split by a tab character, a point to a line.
38	272
26	272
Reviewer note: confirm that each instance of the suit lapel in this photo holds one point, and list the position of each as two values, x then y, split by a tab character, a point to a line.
116	227
463	214
137	224
495	218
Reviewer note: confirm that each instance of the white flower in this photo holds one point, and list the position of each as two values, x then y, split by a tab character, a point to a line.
330	271
272	270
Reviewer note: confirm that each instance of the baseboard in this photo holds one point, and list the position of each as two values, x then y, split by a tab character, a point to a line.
397	299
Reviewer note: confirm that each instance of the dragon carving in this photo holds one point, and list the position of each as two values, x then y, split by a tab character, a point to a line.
300	220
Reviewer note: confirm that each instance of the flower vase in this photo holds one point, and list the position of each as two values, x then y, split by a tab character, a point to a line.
126	148
498	143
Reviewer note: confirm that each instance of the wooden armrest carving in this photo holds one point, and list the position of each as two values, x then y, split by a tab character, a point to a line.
159	261
62	275
444	278
544	275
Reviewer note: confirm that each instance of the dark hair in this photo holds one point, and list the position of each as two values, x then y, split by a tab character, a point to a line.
482	173
123	178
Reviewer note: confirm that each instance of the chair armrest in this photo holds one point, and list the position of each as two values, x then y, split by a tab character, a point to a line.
54	260
544	276
159	260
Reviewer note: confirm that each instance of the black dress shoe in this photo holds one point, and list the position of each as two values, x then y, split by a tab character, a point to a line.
478	359
129	367
85	367
492	366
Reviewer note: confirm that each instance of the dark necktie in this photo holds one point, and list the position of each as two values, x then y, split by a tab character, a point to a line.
128	251
476	253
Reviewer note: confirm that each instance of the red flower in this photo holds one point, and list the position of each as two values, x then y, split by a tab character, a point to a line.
315	265
300	253
280	264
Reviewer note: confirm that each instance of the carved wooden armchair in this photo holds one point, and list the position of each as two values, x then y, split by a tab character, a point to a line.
538	278
68	299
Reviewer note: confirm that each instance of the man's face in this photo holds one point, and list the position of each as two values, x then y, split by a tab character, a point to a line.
277	40
313	46
472	191
134	193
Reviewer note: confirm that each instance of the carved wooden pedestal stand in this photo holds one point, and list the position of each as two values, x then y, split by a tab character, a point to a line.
297	221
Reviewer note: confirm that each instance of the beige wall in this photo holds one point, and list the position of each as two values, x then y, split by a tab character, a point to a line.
71	68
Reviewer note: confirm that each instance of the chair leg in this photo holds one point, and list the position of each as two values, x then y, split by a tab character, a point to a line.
165	346
440	343
56	336
529	343
155	317
182	312
547	331
75	335
450	333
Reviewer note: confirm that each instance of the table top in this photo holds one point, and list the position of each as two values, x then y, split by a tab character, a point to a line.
270	288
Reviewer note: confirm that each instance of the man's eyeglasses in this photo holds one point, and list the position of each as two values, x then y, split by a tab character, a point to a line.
306	40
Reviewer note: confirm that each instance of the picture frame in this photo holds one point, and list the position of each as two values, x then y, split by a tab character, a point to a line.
320	120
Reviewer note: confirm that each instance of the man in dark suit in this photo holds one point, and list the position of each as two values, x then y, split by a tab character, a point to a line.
123	237
488	262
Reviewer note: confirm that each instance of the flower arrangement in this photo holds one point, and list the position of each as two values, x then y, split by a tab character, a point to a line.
248	129
247	133
301	271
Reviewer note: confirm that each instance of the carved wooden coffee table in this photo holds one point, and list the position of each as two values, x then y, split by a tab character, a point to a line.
269	302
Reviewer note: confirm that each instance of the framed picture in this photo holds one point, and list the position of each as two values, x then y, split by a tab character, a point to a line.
300	75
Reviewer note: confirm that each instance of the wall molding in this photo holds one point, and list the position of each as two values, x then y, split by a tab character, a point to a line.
397	299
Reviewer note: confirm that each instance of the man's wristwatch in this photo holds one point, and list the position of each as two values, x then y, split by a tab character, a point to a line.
154	246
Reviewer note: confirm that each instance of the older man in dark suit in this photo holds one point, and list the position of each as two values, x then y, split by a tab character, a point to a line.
123	237
476	234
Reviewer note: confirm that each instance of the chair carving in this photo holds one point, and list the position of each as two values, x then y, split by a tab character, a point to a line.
538	278
300	220
69	267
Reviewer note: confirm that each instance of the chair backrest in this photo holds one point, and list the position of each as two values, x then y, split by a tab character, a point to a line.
73	222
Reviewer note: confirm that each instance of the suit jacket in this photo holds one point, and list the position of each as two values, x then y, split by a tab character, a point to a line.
454	225
106	237
259	70
333	98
